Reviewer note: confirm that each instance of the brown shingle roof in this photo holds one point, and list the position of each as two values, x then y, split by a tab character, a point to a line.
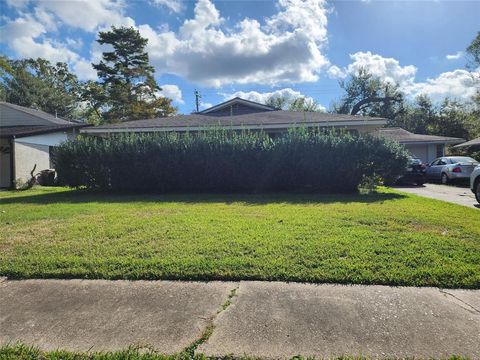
16	115
277	118
474	142
406	137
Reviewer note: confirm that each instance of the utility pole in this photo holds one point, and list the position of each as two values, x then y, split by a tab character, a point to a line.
197	99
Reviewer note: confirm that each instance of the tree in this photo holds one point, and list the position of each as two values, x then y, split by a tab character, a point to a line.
417	117
130	91
473	51
456	119
296	104
368	95
38	84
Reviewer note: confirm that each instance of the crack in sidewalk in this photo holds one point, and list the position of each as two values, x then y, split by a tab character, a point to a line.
207	333
470	308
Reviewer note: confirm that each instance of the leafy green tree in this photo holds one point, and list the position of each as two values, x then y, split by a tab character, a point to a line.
473	52
455	119
418	116
38	84
366	94
298	104
130	91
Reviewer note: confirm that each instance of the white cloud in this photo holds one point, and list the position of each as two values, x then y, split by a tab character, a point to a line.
27	34
173	92
29	48
459	84
84	70
286	48
175	6
87	14
19	4
204	105
335	72
388	69
261	97
455	56
26	26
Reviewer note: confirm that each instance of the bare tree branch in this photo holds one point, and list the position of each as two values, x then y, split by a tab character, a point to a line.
358	106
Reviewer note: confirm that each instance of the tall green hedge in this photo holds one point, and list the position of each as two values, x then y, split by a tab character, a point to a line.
223	161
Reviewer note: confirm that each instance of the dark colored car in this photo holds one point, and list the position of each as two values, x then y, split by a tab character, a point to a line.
415	172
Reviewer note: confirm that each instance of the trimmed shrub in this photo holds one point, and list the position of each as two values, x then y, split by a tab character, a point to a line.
225	161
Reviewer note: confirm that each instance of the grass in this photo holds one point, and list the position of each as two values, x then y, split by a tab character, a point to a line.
23	352
385	238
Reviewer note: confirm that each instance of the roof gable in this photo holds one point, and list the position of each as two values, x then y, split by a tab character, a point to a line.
236	106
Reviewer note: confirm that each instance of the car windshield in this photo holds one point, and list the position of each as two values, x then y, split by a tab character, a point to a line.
463	159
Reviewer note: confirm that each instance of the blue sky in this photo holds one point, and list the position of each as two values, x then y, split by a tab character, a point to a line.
255	49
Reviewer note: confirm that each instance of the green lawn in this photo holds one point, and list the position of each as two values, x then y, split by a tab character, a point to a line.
23	352
384	238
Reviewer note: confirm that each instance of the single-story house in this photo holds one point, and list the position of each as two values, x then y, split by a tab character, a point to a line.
27	138
238	114
472	144
425	147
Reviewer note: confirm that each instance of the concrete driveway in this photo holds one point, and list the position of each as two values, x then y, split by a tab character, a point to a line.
453	194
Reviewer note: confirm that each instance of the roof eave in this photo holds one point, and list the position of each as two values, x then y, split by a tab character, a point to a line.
43	131
94	130
423	142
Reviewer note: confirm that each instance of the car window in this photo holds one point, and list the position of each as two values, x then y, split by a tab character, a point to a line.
462	159
435	162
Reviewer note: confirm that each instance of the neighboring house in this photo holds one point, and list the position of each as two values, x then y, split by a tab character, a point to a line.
425	147
472	144
27	138
239	114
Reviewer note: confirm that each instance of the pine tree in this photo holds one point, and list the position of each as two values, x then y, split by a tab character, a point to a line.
130	91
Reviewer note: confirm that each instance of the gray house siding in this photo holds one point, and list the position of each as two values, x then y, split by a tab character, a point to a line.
236	109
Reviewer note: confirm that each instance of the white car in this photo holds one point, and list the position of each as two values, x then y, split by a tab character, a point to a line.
475	182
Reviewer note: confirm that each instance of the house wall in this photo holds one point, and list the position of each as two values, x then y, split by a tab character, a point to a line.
31	150
26	156
235	109
5	164
425	152
50	139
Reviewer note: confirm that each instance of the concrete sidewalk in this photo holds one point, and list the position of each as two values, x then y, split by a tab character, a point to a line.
263	319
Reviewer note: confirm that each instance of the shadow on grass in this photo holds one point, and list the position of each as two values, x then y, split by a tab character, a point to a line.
87	196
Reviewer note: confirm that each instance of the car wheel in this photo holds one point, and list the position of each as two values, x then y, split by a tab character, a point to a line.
444	179
477	192
420	182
